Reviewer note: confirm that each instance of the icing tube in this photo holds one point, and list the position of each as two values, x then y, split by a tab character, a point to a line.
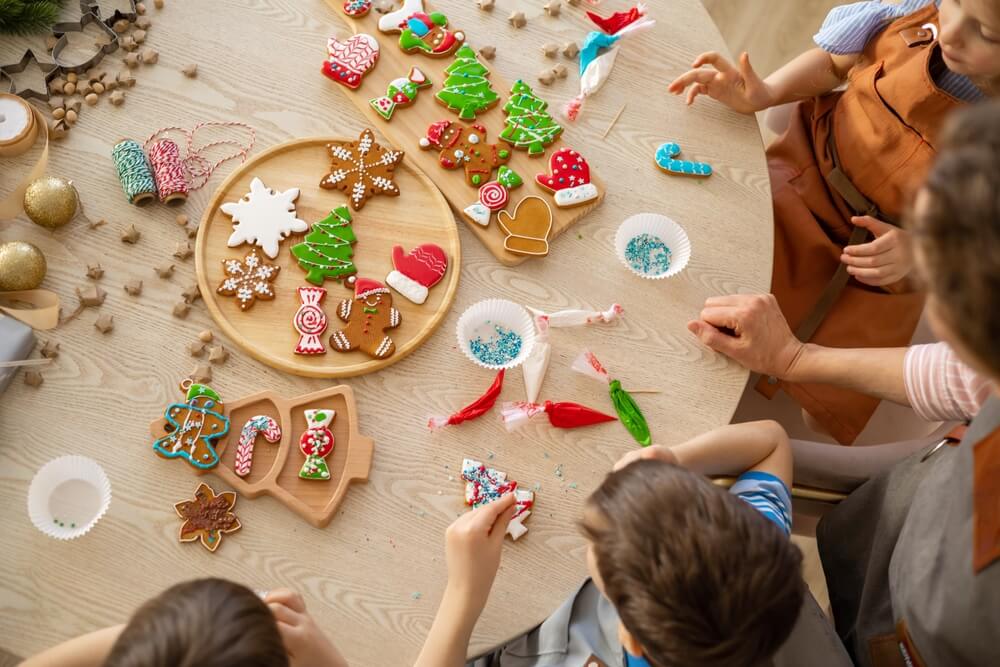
473	410
626	407
595	69
561	415
619	20
573	318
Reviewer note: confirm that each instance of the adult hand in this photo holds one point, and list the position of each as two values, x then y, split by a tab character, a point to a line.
751	330
473	543
886	260
739	87
306	644
655	452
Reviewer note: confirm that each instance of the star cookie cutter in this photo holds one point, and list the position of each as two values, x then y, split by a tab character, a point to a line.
89	16
95	7
49	71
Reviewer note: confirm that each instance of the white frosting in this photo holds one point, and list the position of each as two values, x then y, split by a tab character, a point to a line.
478	213
407	286
390	22
575	196
15	118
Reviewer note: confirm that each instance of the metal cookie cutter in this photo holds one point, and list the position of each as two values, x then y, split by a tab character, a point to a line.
60	30
95	7
50	71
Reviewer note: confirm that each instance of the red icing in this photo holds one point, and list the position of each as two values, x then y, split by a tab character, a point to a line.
426	264
616	21
316	441
436	131
567	169
366	286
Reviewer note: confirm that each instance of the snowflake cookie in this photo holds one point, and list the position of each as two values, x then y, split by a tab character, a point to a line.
362	169
248	280
264	217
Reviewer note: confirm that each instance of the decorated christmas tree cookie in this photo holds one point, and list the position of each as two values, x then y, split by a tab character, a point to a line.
529	125
466	89
264	217
317	443
326	251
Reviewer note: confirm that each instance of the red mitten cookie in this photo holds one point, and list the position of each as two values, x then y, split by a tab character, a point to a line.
417	271
568	179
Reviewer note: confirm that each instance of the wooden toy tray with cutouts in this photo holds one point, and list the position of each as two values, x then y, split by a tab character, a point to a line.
408	125
275	467
419	215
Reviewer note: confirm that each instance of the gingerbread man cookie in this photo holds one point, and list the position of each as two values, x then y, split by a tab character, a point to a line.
193	426
528	227
367	315
361	168
466	147
568	179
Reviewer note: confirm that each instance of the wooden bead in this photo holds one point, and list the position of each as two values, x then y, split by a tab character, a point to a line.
143	23
72	77
190	71
99	88
140	8
120	26
69	88
91	99
139	36
149	56
158	4
117	98
70	117
58	113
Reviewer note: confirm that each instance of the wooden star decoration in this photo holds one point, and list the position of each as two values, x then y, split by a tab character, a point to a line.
208	517
362	169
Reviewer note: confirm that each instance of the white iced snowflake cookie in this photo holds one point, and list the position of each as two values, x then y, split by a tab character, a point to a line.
264	217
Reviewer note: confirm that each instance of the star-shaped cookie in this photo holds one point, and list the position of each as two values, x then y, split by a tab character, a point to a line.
362	169
208	517
248	280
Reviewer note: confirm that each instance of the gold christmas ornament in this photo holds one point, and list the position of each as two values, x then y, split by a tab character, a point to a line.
22	266
50	201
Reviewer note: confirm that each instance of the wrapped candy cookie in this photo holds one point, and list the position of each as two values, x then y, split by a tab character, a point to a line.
537	363
473	410
401	92
561	415
626	407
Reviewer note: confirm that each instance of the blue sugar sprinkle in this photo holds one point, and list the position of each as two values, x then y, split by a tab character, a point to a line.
648	255
497	350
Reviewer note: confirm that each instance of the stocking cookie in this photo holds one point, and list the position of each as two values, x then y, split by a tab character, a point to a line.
417	271
316	442
208	517
357	8
264	217
193	427
368	314
401	92
665	159
466	89
568	179
348	61
465	147
362	169
528	126
261	425
326	251
310	321
528	227
248	280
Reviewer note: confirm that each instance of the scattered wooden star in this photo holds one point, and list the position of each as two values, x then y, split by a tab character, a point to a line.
486	5
50	350
217	354
196	348
553	7
488	52
517	19
570	50
181	309
130	234
183	250
133	287
105	323
95	271
91	296
33	378
191	293
206	336
165	270
202	373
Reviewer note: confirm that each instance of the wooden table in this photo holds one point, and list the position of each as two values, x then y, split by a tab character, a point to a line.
374	576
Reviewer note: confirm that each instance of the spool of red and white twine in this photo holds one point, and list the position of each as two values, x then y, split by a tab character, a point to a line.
168	172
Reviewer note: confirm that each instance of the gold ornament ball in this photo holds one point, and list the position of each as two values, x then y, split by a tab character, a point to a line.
50	201
22	266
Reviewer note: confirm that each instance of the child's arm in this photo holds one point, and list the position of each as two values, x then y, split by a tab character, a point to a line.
762	446
90	650
815	72
472	551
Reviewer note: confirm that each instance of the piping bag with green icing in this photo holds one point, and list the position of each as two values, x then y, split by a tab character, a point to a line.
626	407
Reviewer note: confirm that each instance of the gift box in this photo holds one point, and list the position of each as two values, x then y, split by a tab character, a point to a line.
17	340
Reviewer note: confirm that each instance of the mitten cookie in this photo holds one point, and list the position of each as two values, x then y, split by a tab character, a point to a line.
417	271
528	227
368	314
568	179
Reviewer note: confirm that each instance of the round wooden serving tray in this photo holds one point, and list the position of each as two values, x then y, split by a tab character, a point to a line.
419	215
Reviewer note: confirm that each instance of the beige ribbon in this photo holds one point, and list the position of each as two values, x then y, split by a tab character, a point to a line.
12	204
38	308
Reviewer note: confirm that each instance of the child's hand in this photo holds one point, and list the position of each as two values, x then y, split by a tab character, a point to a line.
886	260
657	452
472	551
306	644
739	89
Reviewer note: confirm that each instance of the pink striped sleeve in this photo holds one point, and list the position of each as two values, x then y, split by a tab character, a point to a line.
940	387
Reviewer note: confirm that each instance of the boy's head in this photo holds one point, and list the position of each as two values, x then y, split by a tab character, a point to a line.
970	40
201	623
698	576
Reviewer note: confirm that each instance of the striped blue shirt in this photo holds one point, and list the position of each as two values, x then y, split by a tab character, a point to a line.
768	495
848	29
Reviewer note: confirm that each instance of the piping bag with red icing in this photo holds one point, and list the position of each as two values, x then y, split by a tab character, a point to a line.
561	415
537	363
473	410
626	407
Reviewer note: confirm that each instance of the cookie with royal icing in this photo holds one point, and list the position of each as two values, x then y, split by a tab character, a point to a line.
666	160
528	227
568	179
362	169
416	271
264	217
349	60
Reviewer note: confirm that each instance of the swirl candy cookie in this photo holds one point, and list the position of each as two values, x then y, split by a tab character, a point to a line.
568	179
528	227
493	196
349	60
665	160
466	147
310	321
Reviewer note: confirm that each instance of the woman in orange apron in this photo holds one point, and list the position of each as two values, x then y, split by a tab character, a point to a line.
857	152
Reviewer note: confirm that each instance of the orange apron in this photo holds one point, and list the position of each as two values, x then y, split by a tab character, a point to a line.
884	127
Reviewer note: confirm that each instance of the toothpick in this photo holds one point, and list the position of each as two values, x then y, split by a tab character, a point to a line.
613	121
644	391
25	362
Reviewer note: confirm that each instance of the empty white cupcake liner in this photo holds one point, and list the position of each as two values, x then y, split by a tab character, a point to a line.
662	227
480	321
68	496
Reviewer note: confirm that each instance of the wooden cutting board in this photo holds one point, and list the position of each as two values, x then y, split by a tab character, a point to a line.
409	124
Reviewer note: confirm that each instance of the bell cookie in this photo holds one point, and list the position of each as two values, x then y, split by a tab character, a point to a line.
368	314
568	179
362	169
528	227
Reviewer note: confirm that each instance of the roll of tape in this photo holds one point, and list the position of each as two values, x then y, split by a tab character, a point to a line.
18	127
12	205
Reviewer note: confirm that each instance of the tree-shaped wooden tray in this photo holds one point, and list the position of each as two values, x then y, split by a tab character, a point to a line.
275	467
419	215
407	125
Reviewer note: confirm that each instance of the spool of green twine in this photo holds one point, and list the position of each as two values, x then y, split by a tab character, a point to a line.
134	172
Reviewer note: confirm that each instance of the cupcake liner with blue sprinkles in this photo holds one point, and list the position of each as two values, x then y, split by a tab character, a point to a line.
501	347
648	254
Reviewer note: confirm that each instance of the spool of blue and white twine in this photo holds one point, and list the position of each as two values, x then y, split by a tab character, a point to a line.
134	172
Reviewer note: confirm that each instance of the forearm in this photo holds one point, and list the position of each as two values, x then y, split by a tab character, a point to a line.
813	73
90	650
447	642
731	449
877	372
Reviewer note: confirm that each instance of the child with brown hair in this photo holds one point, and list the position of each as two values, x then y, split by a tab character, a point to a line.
848	163
204	623
683	571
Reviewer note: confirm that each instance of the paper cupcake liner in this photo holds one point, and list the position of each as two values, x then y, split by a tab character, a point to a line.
68	496
661	227
493	327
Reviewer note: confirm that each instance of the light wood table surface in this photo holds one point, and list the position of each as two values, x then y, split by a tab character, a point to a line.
374	576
